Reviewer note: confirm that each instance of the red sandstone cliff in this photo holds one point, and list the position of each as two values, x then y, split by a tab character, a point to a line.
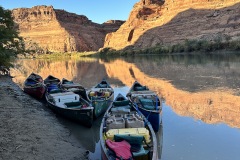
50	30
153	22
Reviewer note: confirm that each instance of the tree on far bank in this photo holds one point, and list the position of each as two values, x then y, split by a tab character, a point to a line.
11	43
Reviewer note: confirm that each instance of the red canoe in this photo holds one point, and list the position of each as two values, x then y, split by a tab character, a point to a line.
34	86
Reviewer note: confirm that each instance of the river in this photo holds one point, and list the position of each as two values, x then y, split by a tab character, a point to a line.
201	95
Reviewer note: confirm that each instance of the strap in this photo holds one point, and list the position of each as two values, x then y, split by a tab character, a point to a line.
144	140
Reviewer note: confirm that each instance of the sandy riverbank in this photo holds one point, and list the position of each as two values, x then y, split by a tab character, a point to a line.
29	130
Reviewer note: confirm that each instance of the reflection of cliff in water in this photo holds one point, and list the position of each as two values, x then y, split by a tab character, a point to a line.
60	69
212	105
193	72
86	72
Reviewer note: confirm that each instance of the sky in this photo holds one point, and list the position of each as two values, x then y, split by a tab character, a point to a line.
96	10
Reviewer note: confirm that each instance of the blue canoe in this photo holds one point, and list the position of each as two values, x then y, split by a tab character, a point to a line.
147	102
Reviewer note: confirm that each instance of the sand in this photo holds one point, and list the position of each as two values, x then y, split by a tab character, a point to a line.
30	131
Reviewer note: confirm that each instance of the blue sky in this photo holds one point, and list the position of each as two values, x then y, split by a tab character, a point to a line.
96	10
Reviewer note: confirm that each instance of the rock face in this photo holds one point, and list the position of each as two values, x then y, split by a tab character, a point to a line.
154	22
50	30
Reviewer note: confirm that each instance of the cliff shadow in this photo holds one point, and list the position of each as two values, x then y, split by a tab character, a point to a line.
191	24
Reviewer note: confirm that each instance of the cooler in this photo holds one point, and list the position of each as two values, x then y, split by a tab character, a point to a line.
129	131
64	97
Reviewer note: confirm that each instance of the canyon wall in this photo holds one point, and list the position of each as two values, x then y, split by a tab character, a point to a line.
159	22
46	29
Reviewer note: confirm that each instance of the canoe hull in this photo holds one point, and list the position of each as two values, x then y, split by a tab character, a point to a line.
34	86
83	116
78	114
100	106
51	80
37	92
101	97
153	117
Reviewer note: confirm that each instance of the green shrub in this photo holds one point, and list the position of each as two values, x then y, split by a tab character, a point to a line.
10	43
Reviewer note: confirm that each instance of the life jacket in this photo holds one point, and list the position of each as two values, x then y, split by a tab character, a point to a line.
121	149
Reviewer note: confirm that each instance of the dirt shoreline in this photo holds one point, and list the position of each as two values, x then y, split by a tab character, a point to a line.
29	130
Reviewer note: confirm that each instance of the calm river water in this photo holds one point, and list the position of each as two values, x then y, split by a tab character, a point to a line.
201	110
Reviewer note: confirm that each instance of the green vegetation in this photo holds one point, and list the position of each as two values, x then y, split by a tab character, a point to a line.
189	46
64	55
107	54
10	43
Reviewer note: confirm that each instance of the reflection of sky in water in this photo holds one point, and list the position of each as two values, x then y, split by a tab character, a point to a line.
189	139
121	90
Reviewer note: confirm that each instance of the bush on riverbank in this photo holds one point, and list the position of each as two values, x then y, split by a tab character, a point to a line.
61	55
187	47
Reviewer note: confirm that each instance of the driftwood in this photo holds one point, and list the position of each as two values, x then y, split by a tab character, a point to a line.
18	147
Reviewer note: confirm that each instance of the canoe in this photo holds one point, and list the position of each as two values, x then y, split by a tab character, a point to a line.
77	88
34	86
51	83
101	97
123	123
147	102
51	80
70	105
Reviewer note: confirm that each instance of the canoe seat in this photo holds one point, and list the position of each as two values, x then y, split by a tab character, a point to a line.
55	91
102	86
147	103
73	104
121	103
140	88
123	109
68	82
30	81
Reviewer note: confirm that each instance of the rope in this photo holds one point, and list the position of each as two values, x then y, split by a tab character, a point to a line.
137	108
149	114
